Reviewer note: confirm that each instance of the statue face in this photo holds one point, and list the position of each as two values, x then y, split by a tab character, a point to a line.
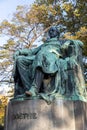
53	32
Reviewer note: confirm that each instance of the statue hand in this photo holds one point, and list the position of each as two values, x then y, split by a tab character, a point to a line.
16	54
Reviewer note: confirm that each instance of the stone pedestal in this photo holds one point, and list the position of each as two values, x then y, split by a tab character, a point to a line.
38	115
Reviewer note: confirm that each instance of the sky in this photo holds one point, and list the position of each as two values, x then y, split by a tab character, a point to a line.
7	8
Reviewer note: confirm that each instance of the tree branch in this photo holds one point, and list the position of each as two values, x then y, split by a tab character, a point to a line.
7	81
42	33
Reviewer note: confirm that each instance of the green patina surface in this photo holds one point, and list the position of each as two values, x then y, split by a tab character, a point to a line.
61	65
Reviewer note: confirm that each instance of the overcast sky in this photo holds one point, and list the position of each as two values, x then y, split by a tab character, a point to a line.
8	7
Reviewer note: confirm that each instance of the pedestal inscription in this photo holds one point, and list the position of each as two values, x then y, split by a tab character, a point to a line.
38	115
24	116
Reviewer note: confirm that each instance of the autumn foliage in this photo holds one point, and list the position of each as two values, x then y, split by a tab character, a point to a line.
3	104
30	22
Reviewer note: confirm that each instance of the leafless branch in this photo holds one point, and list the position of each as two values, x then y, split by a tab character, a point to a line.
30	32
7	81
42	33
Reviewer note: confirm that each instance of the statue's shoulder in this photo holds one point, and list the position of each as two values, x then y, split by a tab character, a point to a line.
25	49
51	41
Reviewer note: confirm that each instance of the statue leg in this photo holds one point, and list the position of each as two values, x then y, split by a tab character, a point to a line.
22	82
38	78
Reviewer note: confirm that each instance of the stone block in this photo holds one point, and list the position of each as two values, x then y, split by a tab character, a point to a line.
38	115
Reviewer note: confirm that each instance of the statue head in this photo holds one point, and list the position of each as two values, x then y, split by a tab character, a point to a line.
53	32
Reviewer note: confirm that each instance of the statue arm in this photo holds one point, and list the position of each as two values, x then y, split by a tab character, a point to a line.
26	52
34	51
21	52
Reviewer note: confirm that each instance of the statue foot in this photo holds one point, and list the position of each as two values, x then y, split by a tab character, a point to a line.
29	93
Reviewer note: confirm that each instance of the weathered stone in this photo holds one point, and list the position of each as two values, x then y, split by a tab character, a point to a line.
38	115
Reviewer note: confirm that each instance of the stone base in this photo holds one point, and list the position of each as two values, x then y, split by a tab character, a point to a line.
38	115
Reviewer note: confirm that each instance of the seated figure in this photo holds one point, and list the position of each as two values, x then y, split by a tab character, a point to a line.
29	61
51	70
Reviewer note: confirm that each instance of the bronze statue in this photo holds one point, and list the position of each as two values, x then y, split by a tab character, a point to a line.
52	70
